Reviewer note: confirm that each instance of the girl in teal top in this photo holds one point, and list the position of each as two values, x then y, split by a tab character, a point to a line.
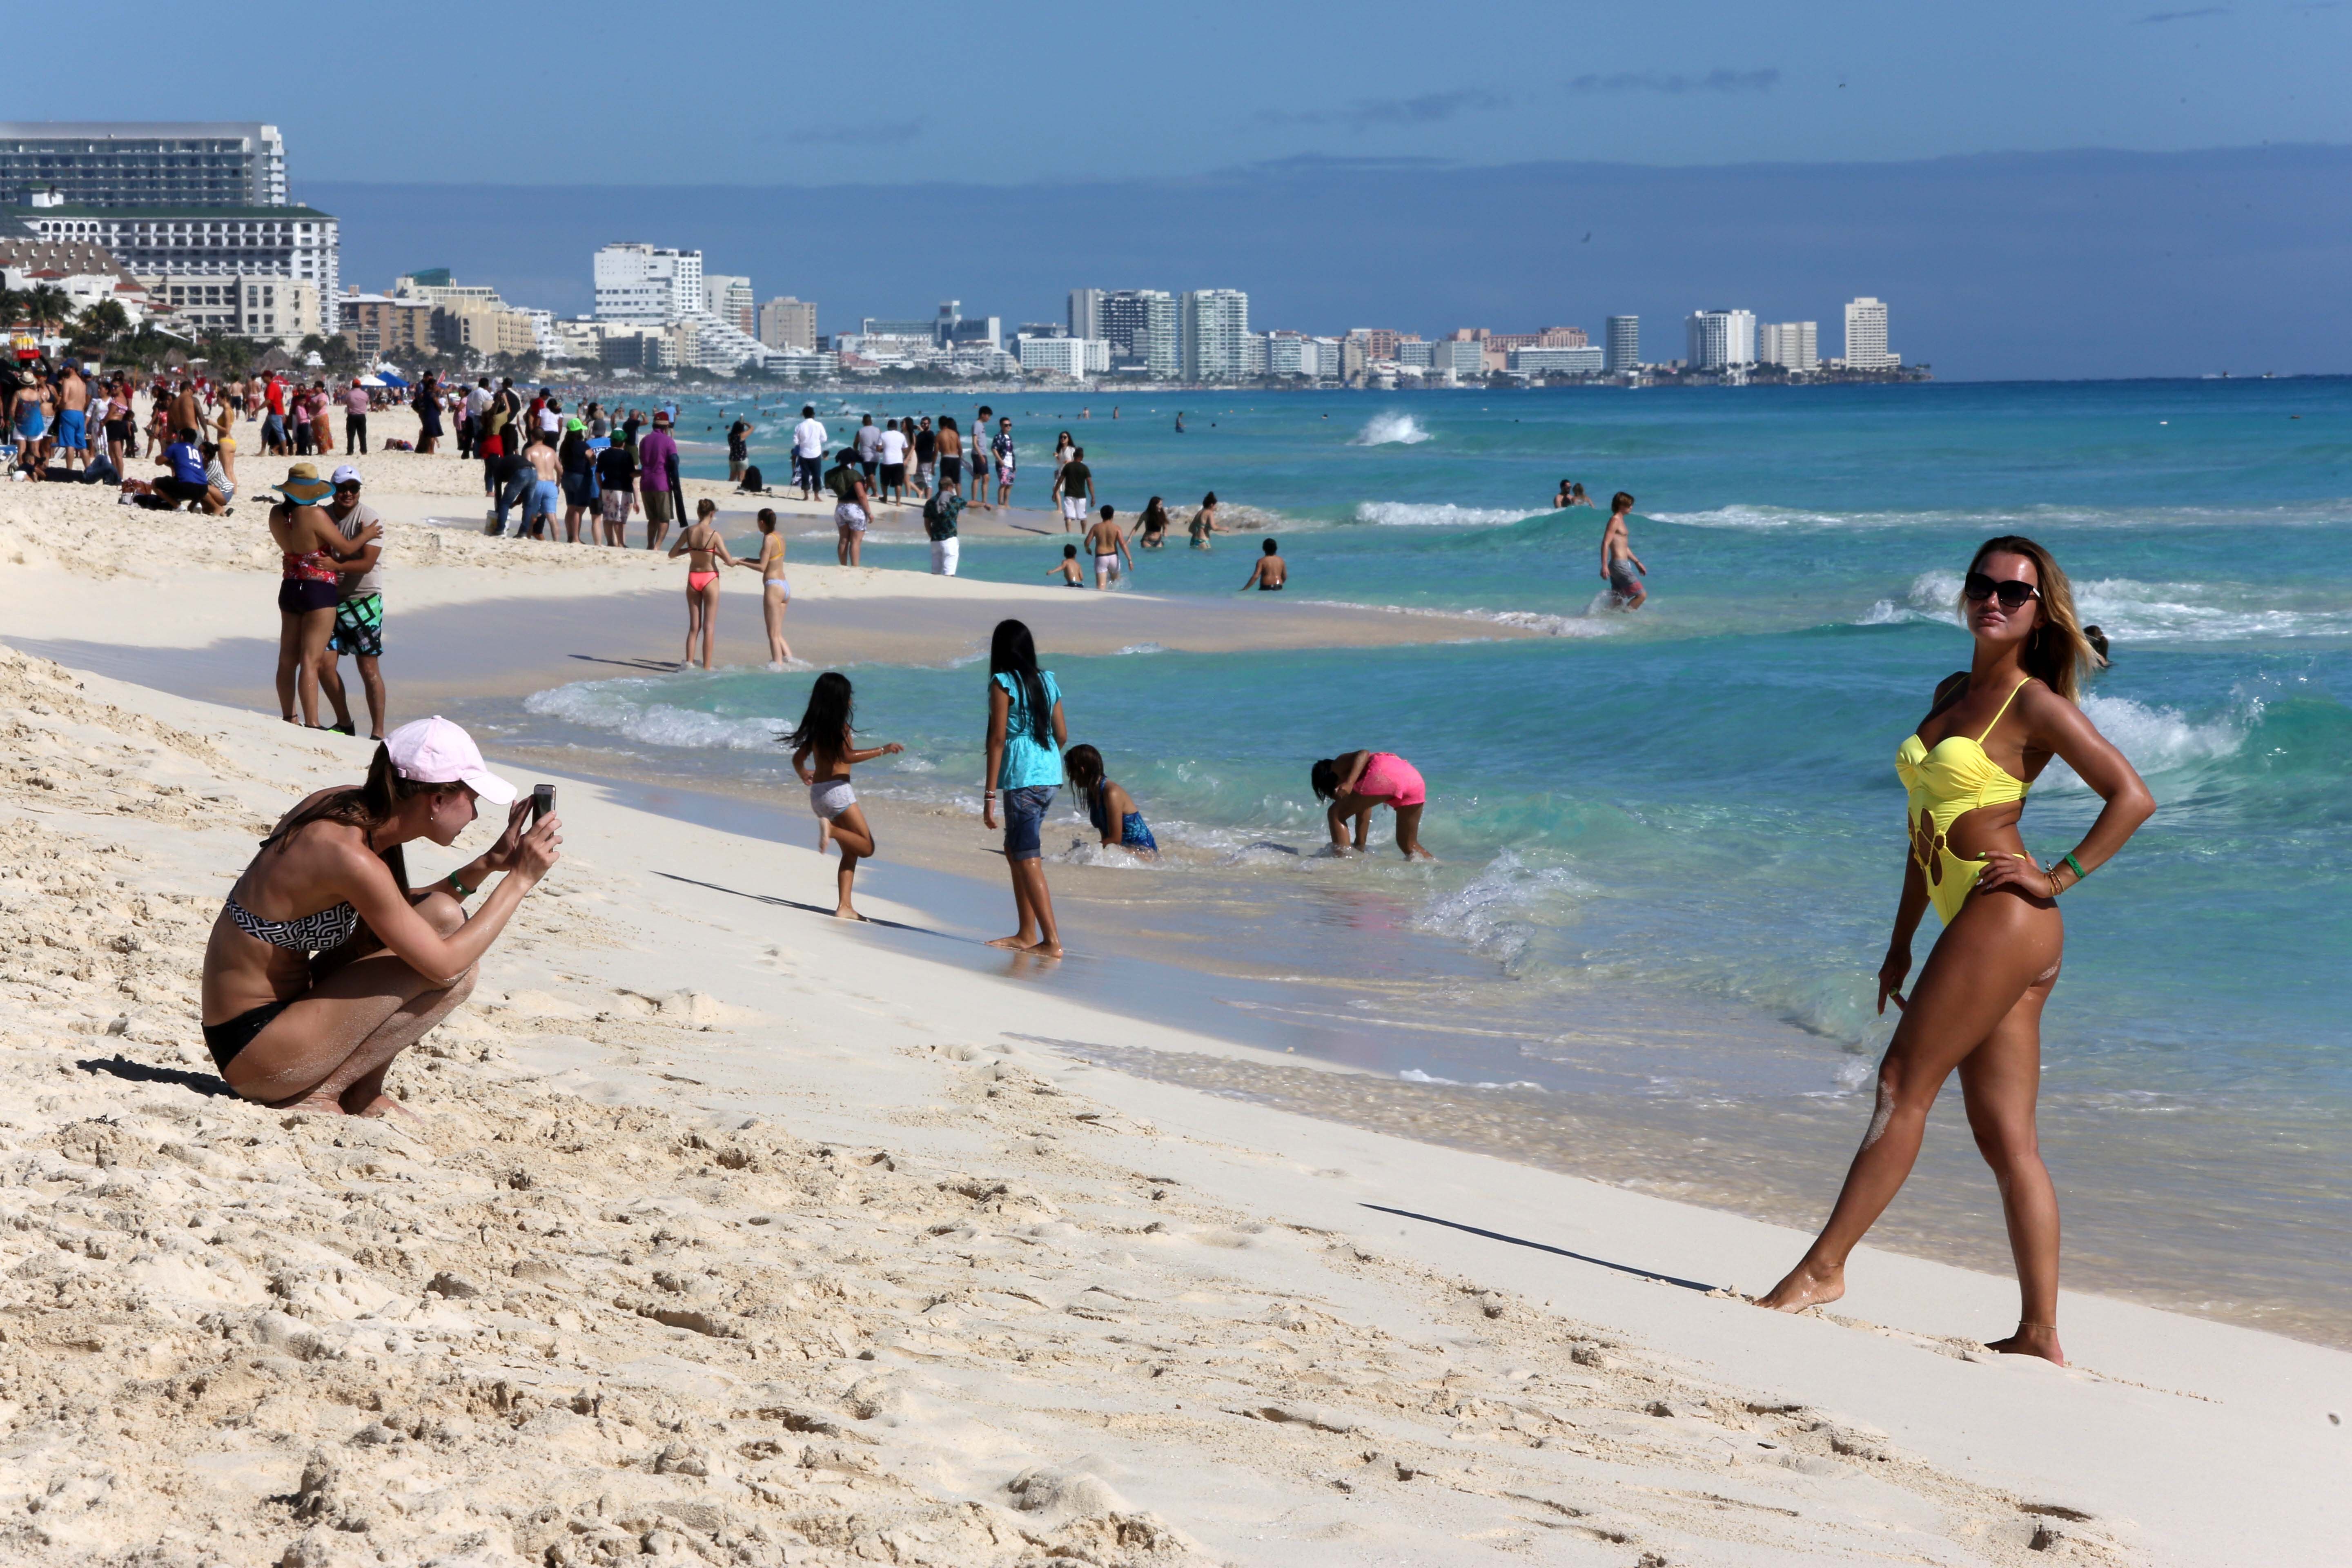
1027	733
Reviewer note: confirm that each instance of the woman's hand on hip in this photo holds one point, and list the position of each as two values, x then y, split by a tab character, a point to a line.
2006	868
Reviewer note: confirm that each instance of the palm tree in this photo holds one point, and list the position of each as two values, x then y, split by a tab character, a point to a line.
48	306
12	307
104	322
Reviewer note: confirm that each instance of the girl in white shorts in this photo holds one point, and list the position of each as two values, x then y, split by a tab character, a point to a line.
824	748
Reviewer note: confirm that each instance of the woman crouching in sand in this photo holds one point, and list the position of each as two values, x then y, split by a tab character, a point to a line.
1978	1004
1356	782
325	964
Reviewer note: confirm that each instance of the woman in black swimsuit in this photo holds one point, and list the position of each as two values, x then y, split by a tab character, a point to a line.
325	964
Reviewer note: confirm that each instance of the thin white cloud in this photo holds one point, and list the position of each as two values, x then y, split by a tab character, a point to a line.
1673	82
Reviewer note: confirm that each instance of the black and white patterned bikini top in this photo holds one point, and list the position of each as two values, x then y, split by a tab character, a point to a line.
304	933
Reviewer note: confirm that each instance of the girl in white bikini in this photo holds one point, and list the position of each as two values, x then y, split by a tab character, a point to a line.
776	590
824	748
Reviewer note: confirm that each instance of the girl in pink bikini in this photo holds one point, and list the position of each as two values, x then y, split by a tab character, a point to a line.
703	547
1355	782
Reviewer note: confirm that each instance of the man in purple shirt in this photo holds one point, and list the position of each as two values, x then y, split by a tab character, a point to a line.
657	478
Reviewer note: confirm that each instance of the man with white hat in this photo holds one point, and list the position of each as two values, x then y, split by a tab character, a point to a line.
359	609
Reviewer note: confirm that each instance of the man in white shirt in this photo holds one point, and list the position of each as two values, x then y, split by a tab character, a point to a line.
894	463
808	452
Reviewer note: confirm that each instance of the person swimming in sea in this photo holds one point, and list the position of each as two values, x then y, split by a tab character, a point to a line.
1066	568
1269	573
1111	808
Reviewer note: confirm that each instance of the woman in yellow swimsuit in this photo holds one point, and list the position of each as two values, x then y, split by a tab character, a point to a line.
1978	1004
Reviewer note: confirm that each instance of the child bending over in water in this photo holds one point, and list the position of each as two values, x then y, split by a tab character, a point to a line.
1066	568
822	751
1111	808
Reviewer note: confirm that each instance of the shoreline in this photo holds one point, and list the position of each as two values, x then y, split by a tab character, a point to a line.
473	639
906	1229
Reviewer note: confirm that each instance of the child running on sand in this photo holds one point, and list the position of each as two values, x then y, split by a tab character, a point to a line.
1111	808
702	546
1066	568
822	751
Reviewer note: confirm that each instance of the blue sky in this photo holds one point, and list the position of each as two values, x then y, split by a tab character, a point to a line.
1373	163
728	92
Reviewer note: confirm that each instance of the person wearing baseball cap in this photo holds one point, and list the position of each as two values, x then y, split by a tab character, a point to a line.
359	606
325	964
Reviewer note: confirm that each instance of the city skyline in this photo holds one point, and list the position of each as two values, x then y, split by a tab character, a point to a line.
2029	268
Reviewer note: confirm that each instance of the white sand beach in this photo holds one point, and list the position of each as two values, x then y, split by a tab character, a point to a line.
727	1233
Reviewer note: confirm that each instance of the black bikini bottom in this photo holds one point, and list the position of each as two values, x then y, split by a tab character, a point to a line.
225	1040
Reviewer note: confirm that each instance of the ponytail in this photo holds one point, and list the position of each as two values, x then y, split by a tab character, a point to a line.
367	807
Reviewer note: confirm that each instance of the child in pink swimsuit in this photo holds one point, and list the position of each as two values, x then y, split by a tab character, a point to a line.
1356	782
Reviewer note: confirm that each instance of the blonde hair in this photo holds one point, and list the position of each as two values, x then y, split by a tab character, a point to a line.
2056	652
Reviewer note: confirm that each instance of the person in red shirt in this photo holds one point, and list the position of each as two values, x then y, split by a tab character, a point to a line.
273	426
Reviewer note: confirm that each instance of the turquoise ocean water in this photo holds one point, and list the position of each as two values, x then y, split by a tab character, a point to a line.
1696	804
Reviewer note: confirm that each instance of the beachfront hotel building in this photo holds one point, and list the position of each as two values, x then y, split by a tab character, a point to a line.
109	164
1866	336
1793	346
1075	357
1585	359
730	300
647	284
1721	340
1622	349
282	310
786	322
1215	328
1143	327
278	241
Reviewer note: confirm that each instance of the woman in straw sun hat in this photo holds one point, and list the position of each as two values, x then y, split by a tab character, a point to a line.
310	582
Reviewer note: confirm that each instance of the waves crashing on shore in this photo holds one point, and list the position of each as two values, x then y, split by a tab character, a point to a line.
1390	430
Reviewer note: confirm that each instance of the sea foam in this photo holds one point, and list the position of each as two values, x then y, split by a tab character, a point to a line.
1390	430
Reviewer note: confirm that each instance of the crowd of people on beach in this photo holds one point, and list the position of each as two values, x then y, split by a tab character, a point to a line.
328	962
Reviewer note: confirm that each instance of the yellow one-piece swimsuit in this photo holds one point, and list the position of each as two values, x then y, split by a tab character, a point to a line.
1945	783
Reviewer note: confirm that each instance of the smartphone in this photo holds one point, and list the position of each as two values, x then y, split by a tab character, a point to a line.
542	802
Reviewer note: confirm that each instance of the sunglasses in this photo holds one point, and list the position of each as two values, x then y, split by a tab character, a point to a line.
2012	593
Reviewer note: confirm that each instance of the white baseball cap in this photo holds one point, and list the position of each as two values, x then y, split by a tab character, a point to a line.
347	475
435	750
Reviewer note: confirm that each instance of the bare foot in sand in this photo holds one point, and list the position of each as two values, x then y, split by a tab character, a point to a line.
387	1108
2030	1339
1044	948
313	1104
846	914
1809	1284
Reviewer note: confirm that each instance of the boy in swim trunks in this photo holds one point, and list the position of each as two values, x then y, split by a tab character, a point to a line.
1109	542
1270	572
1618	561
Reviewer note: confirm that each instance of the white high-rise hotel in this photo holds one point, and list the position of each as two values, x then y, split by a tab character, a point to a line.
1215	325
1866	336
1792	345
646	284
1721	340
